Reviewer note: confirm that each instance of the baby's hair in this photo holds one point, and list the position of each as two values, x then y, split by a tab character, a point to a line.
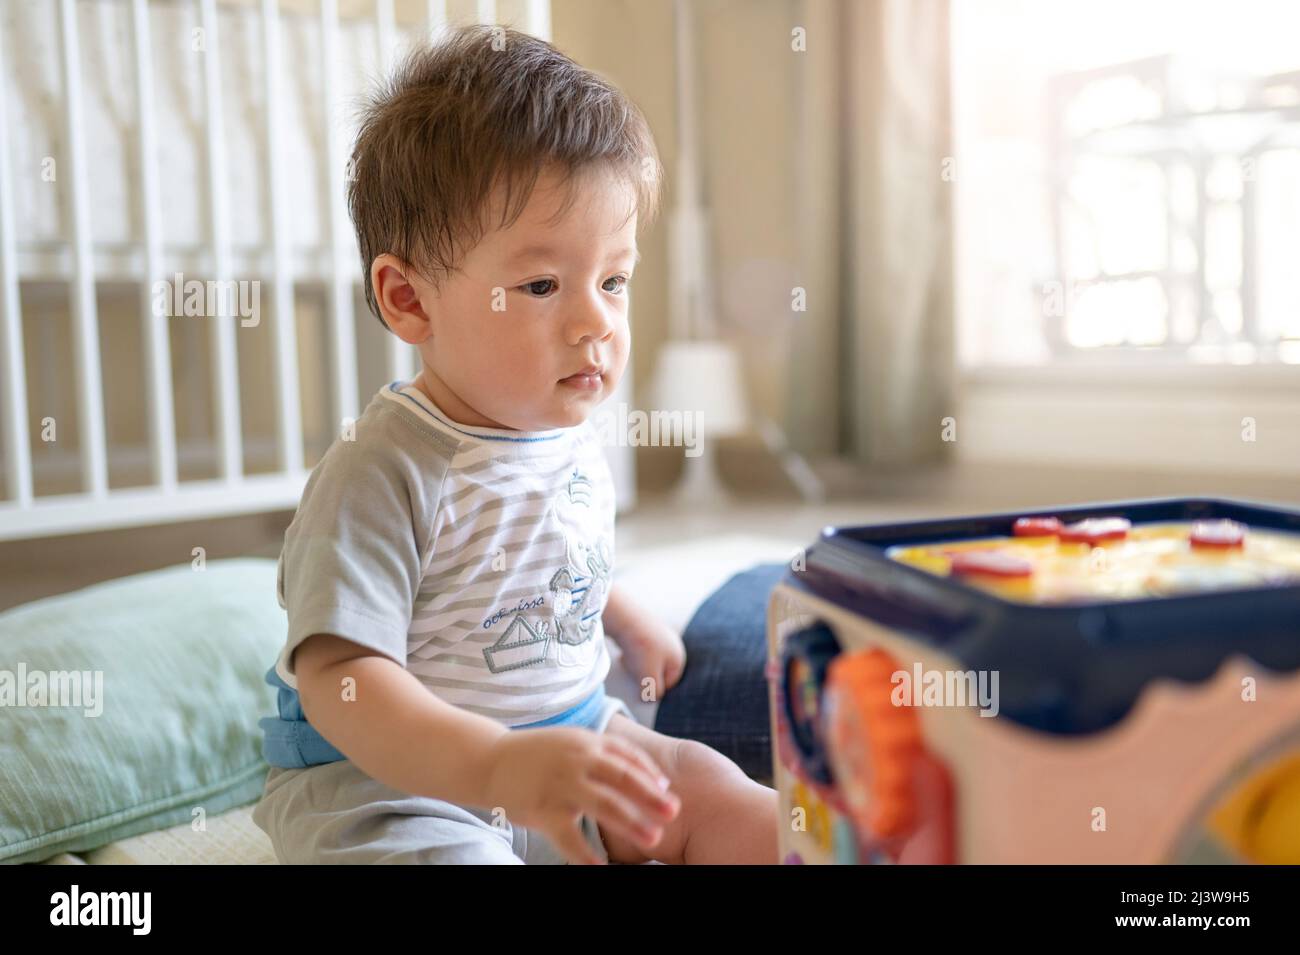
486	107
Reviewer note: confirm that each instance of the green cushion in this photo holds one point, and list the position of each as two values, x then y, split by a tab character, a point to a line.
182	653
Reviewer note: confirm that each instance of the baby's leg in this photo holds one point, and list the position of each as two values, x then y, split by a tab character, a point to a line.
725	817
335	814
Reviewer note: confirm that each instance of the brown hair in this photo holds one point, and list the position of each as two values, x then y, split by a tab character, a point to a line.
485	107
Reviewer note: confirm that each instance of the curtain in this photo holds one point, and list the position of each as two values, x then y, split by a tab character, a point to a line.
887	241
897	274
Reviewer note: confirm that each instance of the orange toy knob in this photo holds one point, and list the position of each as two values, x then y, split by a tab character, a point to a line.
874	745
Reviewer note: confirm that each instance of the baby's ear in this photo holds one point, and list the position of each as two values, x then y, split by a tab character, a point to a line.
397	289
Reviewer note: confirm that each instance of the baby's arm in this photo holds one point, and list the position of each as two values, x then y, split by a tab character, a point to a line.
387	709
398	732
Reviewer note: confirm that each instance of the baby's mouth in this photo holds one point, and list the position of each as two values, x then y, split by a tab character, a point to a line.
589	378
583	382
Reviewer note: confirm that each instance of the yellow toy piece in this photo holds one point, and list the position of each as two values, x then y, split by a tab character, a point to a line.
1260	818
1156	559
816	814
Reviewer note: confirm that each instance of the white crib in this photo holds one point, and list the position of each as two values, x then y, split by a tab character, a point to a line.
205	139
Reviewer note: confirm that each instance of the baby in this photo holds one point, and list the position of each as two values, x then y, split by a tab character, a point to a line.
448	574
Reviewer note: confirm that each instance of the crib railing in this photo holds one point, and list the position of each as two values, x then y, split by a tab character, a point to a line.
81	263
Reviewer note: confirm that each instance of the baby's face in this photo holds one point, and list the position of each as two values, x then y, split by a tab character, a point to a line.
532	305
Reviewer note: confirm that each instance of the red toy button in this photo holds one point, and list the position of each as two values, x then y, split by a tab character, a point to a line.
996	563
1218	534
1097	529
1036	527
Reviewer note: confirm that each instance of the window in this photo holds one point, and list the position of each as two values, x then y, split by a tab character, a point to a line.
1128	181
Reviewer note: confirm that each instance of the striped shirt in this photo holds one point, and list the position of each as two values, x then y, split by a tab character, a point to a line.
480	559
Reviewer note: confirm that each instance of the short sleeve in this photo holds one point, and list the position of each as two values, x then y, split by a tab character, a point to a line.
353	555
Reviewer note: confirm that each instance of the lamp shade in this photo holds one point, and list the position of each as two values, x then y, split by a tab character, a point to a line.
702	377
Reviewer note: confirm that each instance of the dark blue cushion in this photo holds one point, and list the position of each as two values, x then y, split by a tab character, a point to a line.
722	698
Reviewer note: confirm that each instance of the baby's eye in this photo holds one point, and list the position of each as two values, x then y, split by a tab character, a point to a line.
533	290
620	279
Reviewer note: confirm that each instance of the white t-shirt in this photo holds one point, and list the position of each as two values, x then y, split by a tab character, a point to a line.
478	558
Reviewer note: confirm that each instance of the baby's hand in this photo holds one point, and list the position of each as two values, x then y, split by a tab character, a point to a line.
547	778
653	649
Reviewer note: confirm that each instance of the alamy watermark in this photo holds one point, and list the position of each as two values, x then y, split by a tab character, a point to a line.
71	688
619	427
921	687
212	299
75	907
